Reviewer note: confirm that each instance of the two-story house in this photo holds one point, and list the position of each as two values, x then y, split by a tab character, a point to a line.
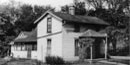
58	33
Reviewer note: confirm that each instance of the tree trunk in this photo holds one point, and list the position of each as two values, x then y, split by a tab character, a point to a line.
114	46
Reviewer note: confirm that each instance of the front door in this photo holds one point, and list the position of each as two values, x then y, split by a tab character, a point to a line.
29	49
98	48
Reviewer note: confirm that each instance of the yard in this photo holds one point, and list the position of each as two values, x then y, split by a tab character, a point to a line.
34	62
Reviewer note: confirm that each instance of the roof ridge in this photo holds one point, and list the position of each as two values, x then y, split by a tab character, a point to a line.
74	18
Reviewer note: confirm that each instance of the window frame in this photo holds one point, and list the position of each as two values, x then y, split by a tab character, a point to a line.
34	47
49	43
49	25
76	47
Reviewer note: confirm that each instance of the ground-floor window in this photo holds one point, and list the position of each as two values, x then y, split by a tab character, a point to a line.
48	47
76	47
19	46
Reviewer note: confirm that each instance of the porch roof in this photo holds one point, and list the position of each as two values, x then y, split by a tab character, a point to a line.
27	36
92	33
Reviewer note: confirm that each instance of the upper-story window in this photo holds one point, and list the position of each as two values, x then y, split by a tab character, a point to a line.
49	25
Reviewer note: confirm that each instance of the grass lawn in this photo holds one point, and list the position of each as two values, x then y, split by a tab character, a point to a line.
29	62
23	63
94	63
34	62
120	61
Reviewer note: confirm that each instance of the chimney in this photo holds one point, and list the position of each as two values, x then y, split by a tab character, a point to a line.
75	1
71	10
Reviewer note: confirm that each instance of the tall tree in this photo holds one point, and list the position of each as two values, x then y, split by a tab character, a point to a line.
113	12
14	19
28	15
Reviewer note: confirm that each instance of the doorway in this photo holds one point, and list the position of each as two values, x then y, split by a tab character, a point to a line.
29	50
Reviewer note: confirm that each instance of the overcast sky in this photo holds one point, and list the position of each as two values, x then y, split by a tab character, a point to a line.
54	3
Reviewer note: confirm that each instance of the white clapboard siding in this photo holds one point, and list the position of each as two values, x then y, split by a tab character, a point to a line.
56	37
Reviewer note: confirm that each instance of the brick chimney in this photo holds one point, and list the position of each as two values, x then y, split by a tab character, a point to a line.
71	10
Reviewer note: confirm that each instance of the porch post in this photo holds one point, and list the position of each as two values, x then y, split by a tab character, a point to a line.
41	52
91	56
106	49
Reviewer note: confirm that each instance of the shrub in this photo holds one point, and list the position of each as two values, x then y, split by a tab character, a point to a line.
53	60
120	52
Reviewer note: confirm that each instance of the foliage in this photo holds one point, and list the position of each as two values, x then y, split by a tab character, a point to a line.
113	12
85	44
120	52
27	17
113	17
54	60
15	17
109	4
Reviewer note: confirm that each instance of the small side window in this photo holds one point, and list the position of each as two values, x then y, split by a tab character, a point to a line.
76	47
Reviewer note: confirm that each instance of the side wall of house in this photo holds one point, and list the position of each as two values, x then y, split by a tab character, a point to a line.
69	37
55	36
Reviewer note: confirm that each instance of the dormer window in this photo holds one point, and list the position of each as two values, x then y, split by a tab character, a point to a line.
49	24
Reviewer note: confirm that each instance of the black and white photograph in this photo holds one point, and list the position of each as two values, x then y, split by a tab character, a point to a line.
64	32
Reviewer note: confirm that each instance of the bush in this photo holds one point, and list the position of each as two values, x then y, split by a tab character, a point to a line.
53	60
120	52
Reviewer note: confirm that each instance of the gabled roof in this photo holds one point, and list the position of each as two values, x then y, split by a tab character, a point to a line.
92	33
27	36
73	18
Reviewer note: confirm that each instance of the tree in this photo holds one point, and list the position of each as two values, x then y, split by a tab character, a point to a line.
113	12
28	15
8	16
14	19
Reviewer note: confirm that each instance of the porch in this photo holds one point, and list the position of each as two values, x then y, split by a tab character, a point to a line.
96	49
24	50
25	45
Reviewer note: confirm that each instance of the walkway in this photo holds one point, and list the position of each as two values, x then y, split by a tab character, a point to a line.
112	63
2	61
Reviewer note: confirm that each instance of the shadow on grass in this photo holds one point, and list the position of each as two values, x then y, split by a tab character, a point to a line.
120	61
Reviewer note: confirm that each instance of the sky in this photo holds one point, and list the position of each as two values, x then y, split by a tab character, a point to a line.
54	3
